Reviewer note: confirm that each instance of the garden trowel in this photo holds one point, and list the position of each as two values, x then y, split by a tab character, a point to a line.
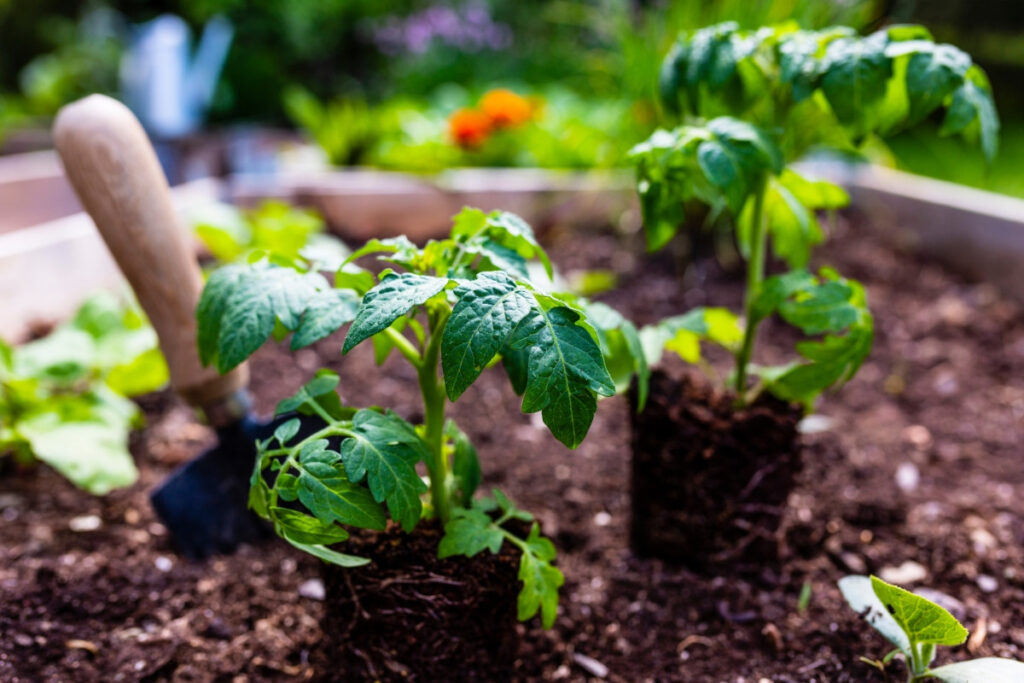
115	173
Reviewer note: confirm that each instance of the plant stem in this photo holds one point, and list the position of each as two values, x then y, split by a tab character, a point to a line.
434	402
755	276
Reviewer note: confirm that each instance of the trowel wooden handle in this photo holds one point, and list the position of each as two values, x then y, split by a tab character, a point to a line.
114	170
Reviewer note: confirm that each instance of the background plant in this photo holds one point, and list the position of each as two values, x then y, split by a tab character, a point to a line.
63	397
917	626
457	307
754	102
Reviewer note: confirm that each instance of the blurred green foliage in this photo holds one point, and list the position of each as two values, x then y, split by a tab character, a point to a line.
348	47
62	397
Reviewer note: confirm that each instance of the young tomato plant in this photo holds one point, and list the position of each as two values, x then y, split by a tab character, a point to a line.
916	626
457	307
753	102
62	397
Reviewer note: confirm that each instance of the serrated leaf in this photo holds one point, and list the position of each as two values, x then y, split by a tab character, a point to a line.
331	497
984	670
326	311
972	113
487	312
829	305
564	371
737	159
262	297
389	300
541	580
932	75
301	528
241	305
384	449
855	77
512	232
470	532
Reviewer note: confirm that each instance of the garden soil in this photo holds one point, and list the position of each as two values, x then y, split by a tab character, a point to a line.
913	470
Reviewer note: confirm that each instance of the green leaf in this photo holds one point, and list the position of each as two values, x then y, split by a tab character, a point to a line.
321	385
737	158
923	621
621	347
399	249
287	430
465	462
789	204
817	306
389	300
512	232
565	370
487	312
682	333
541	580
932	76
984	670
973	113
384	449
328	555
860	595
241	304
301	528
331	497
469	532
855	78
325	312
92	455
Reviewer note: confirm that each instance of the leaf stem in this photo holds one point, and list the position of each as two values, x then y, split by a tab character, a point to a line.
404	347
434	402
755	276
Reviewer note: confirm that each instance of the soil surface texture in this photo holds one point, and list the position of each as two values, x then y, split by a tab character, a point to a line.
912	471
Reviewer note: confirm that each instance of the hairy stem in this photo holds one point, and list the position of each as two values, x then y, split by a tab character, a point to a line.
434	403
755	276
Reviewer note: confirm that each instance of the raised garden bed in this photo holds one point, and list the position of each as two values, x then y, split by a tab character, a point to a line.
921	465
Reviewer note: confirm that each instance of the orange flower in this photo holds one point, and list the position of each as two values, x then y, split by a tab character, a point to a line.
505	108
469	127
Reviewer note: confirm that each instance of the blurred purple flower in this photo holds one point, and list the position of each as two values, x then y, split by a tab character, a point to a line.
472	29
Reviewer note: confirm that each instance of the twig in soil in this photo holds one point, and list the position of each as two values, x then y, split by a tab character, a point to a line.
977	638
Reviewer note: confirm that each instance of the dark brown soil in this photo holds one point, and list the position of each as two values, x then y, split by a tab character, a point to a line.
710	483
921	464
413	617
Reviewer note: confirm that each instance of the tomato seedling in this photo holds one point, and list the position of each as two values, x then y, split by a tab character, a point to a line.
752	103
916	626
459	306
